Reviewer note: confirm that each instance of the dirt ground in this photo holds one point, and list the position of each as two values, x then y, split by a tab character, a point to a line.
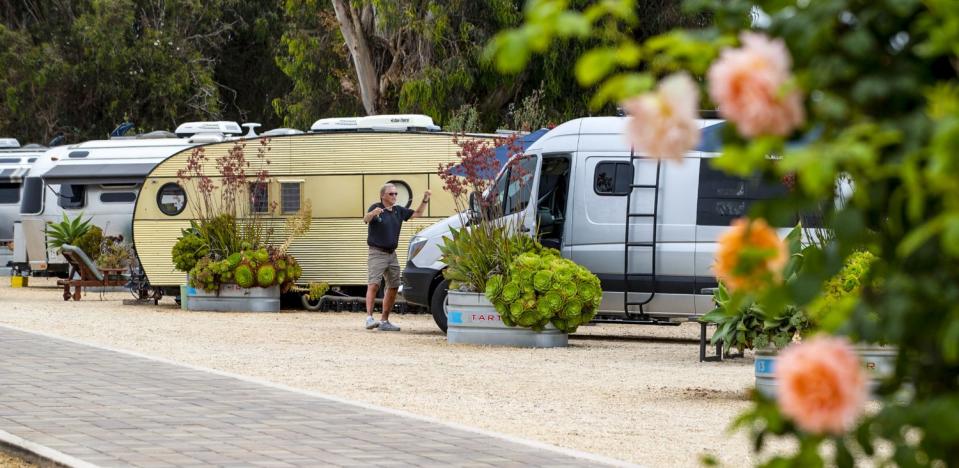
636	393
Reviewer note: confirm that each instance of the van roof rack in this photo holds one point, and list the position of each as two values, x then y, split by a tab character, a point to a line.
376	123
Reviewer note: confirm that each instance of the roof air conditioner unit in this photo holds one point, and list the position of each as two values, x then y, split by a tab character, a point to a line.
376	123
193	128
9	143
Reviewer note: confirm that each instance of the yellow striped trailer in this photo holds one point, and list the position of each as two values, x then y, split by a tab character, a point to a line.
340	173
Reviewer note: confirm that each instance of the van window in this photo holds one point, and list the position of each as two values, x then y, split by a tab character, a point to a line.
290	197
9	193
72	196
613	178
32	196
118	197
520	185
259	197
723	197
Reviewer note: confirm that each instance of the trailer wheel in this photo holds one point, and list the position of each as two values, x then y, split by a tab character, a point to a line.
438	304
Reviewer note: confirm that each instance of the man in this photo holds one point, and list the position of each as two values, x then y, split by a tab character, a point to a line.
384	220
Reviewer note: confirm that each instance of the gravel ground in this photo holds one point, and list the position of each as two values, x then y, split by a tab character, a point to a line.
11	461
636	393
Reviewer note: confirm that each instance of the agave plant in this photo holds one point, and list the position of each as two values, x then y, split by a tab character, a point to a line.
67	231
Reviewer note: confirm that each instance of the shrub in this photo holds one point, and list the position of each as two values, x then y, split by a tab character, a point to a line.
188	249
115	253
90	242
317	290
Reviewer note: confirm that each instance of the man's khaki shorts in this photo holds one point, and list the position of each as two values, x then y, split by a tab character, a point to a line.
381	265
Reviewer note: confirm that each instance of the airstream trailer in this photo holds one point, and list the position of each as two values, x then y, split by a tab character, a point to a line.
15	162
99	180
339	166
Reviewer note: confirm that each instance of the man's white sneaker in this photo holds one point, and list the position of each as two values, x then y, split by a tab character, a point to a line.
387	326
371	324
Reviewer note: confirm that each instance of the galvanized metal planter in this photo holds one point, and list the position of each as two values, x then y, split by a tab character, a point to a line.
879	362
472	319
232	298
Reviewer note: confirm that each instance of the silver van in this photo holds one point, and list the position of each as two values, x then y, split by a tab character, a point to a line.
647	229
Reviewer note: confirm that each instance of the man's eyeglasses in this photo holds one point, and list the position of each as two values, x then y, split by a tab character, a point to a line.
391	193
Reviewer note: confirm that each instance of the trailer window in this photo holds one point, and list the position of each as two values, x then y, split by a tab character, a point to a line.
72	197
9	193
520	185
259	197
118	197
612	178
171	199
290	196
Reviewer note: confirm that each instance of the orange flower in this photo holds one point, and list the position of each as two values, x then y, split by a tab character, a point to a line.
822	386
750	255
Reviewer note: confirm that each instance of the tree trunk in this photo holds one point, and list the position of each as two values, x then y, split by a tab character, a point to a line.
352	27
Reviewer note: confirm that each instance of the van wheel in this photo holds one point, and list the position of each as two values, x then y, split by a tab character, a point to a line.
437	304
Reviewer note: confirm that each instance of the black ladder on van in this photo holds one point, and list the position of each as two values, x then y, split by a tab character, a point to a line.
631	244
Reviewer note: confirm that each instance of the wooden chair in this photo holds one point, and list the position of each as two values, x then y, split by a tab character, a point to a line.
89	274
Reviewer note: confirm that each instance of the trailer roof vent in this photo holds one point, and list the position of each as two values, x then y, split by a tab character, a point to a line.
282	132
377	123
9	143
222	127
155	135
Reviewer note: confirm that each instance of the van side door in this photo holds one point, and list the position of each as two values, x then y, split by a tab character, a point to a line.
599	210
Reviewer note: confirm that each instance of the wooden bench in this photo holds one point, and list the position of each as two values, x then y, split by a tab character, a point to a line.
87	273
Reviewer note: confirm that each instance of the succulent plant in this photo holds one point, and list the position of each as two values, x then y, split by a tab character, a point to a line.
266	275
243	274
540	287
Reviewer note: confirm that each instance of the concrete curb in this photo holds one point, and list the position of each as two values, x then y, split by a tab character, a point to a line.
529	443
39	454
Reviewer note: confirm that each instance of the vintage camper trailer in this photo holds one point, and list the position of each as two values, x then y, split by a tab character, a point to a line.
581	183
15	163
98	179
339	166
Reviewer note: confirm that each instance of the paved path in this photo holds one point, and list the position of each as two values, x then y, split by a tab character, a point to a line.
84	404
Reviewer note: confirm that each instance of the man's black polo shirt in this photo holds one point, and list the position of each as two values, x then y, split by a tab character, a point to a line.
384	231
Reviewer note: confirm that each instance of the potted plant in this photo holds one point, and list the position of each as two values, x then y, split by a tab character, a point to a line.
506	288
228	253
744	325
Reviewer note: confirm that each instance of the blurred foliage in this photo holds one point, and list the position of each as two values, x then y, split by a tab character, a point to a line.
882	105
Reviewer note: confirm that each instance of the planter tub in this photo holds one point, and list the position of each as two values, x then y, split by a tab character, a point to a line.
879	362
232	298
472	319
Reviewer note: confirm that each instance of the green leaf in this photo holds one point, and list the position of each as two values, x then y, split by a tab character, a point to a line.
595	65
621	86
571	24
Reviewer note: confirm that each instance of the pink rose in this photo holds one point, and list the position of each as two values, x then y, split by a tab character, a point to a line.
663	123
753	87
822	386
